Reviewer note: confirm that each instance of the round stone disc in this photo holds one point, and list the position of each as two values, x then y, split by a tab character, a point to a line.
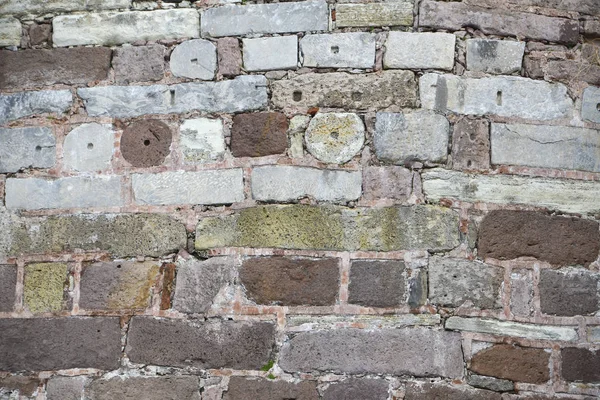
146	143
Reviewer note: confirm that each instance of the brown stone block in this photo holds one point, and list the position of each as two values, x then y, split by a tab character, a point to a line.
146	143
514	363
259	134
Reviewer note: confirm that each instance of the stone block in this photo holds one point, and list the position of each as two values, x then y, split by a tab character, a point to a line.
229	56
590	104
377	283
390	182
471	144
146	143
194	59
568	293
241	388
357	388
26	104
339	50
423	391
419	50
65	387
490	383
259	134
28	147
145	387
515	363
19	386
38	7
397	13
40	34
89	147
8	287
580	365
495	56
270	53
335	137
43	287
139	64
516	329
10	32
521	292
202	140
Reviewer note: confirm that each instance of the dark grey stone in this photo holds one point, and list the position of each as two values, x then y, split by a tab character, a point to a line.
147	388
357	388
8	287
377	283
568	293
241	388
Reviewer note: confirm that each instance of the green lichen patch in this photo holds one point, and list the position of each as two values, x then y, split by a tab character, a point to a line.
44	287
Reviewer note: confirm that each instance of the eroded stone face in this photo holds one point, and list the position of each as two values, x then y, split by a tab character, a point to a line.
335	137
139	64
202	140
89	147
259	134
241	388
146	143
514	363
149	388
194	59
28	147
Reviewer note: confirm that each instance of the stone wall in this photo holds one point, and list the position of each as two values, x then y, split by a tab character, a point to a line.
300	200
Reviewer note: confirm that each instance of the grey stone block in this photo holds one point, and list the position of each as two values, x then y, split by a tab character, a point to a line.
490	383
521	292
25	104
427	391
419	50
339	50
8	287
357	388
270	53
569	293
30	147
495	56
590	104
377	283
28	7
202	140
194	59
65	388
516	329
139	64
89	147
397	13
10	32
145	387
390	182
241	388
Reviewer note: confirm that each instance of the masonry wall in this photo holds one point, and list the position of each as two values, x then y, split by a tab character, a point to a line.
300	200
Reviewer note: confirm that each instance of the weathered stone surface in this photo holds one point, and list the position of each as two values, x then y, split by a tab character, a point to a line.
520	364
229	56
18	386
506	96
89	147
29	147
202	140
223	186
521	292
591	28
40	34
580	365
139	64
495	56
471	144
570	71
25	104
33	68
357	388
259	134
244	93
146	143
22	7
271	53
291	281
330	227
506	328
339	50
296	130
403	137
288	183
241	388
489	383
574	196
391	182
590	104
43	287
454	16
10	32
568	293
233	20
417	351
558	240
377	283
419	50
212	344
194	59
42	344
374	14
342	90
65	388
452	282
199	282
431	391
149	388
335	137
581	6
113	28
68	192
8	287
117	285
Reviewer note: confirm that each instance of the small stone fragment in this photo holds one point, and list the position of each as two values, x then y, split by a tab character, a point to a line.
8	287
335	137
471	145
590	104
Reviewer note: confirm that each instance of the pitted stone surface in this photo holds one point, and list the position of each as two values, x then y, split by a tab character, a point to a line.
25	104
43	287
8	287
419	50
194	59
335	137
259	134
89	147
202	140
229	56
339	50
390	182
377	283
146	143
43	6
569	293
398	13
580	365
270	53
241	388
471	144
495	56
590	104
31	147
430	391
147	388
139	64
10	32
357	388
515	363
19	386
65	387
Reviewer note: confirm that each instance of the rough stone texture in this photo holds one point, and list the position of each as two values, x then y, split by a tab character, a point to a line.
69	192
582	6
229	57
233	20
561	241
29	147
357	388
245	93
117	285
241	388
291	281
568	293
223	186
471	144
520	364
419	50
114	28
417	351
25	104
591	28
65	387
507	328
330	227
377	283
205	345
452	282
18	386
89	147
404	137
569	71
283	183
495	56
489	383
199	282
10	31
35	68
441	391
580	365
259	134
506	96
342	90
139	64
28	7
146	143
398	13
296	130
339	50
590	106
574	196
202	140
194	59
148	388
454	16
42	344
270	53
40	34
391	182
335	137
521	292
43	287
8	287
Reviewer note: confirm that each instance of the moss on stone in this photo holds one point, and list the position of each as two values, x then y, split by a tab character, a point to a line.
44	287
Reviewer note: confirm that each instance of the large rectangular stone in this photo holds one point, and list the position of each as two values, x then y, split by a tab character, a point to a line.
495	56
25	104
506	96
10	31
29	7
339	50
416	351
42	344
70	192
242	388
516	329
349	91
30	147
569	293
233	20
244	93
332	227
270	53
580	6
223	186
145	387
546	146
567	195
419	50
396	13
201	344
377	283
114	28
288	183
